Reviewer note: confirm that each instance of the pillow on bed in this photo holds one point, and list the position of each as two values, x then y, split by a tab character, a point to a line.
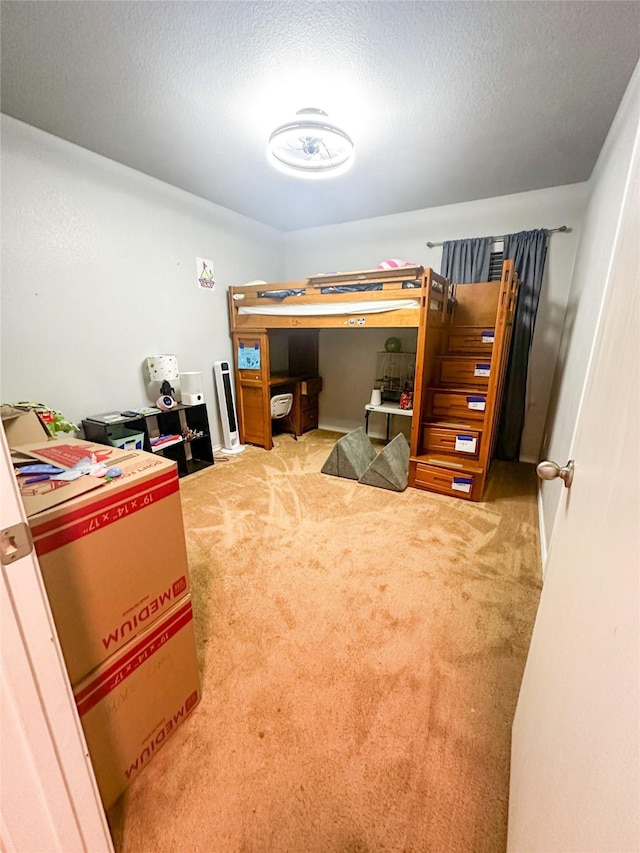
394	264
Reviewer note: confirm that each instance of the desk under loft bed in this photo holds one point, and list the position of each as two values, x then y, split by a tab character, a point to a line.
463	340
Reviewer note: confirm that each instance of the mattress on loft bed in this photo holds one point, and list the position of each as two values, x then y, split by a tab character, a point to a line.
327	308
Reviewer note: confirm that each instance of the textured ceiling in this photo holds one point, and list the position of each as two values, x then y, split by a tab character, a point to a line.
445	101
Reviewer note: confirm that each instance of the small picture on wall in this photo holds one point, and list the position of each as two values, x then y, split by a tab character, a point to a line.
204	268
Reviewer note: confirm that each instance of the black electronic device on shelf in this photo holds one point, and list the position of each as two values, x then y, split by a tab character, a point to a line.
181	434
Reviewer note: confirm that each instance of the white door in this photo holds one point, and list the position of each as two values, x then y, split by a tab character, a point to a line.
49	799
575	782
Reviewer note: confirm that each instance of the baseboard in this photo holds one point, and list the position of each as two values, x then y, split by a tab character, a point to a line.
528	460
332	428
344	430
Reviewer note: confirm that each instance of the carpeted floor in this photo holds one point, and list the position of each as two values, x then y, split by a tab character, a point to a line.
361	653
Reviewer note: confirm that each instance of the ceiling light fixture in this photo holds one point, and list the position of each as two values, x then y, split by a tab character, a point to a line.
310	146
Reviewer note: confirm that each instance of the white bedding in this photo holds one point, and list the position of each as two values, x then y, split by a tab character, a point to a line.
290	310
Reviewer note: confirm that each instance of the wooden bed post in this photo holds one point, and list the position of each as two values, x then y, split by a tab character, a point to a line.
420	356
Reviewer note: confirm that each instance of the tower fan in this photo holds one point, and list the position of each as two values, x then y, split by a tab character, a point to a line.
227	406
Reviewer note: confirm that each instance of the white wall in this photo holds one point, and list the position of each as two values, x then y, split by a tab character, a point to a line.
348	364
594	255
363	244
98	271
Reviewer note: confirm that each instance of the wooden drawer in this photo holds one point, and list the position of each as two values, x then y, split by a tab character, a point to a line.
309	402
471	339
458	405
309	419
465	442
251	377
465	371
311	387
457	484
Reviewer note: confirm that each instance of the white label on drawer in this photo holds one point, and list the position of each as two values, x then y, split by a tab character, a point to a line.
479	404
461	484
466	443
487	337
482	370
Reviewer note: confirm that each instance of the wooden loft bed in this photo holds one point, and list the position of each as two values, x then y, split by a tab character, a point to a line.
365	298
463	341
405	297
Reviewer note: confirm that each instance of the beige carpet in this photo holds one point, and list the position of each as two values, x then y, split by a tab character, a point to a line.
361	655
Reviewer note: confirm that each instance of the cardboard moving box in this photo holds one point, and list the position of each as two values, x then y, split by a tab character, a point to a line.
41	495
114	563
133	702
113	559
23	426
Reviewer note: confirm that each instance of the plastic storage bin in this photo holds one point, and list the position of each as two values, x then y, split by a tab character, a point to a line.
125	439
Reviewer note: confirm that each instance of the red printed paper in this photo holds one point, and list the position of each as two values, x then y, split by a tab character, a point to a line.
68	455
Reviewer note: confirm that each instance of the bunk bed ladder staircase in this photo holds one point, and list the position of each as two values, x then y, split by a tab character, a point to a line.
463	378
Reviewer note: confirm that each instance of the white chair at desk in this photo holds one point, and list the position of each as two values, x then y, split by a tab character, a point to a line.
281	410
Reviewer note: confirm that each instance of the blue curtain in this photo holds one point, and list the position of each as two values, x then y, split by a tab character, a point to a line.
466	260
528	249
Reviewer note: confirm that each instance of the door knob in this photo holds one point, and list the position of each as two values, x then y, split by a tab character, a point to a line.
550	470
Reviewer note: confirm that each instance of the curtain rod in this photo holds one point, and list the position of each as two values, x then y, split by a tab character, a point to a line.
500	239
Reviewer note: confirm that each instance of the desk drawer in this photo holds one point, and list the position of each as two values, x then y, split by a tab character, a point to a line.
457	484
309	418
466	442
311	387
307	403
251	377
